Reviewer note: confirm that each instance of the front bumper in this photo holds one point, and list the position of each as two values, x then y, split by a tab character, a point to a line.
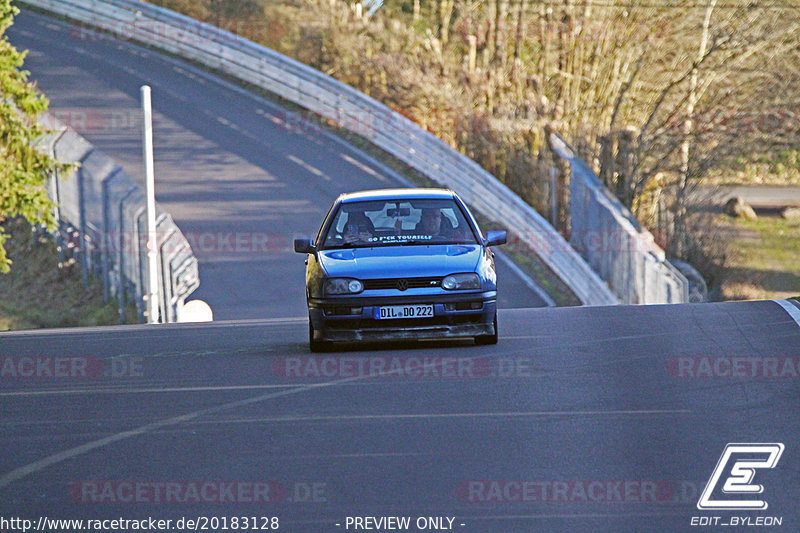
451	319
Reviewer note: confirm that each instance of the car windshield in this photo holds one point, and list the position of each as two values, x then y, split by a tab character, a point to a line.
398	223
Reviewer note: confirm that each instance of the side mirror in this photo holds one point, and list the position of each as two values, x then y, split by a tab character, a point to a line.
304	246
495	238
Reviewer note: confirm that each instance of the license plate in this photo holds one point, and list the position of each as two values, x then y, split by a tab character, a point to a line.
404	311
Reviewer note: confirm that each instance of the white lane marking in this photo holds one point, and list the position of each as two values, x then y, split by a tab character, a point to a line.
225	122
793	311
314	170
146	390
36	466
188	74
513	414
160	328
24	471
364	168
526	279
354	455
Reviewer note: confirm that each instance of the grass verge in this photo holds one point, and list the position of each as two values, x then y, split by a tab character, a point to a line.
39	294
763	259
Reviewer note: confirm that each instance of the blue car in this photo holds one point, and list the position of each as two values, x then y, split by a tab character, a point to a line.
400	264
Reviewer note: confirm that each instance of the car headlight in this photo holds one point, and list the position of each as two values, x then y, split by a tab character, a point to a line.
343	286
456	282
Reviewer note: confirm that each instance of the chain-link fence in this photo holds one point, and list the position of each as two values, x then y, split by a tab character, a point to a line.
346	108
102	224
611	240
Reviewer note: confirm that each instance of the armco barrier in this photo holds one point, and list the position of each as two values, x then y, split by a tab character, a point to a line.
611	240
350	109
101	220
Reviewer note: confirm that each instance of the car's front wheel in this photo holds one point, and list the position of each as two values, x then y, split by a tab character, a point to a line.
484	340
315	345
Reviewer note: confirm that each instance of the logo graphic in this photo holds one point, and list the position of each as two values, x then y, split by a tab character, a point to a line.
744	459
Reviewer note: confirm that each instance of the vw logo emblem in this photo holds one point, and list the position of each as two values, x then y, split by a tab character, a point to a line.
402	285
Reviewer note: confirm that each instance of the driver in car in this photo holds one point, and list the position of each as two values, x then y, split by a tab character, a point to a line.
434	223
358	229
430	222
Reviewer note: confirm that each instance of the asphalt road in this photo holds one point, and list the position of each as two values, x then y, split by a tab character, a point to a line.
580	419
229	165
614	417
756	195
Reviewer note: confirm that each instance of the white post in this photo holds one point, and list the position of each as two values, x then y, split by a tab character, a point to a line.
150	189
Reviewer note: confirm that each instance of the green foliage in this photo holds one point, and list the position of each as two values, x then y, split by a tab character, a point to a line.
761	259
24	170
40	293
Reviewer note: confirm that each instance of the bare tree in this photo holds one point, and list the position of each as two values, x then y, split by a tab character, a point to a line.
680	236
652	94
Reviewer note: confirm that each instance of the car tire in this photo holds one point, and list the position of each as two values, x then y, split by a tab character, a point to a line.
485	340
315	345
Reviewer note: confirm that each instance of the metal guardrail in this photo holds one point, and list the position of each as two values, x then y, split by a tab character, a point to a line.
348	108
611	240
102	223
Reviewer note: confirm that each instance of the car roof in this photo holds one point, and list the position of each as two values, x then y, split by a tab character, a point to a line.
397	194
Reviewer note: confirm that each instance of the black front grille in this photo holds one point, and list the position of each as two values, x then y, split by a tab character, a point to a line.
401	283
339	310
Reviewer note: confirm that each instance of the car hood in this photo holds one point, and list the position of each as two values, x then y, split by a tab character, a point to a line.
401	261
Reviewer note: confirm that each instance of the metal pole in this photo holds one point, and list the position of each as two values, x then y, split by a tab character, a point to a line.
56	192
152	239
